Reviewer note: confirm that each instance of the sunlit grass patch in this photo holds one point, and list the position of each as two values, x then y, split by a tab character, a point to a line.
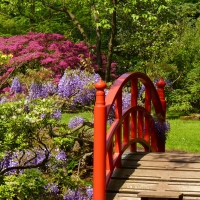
184	135
66	116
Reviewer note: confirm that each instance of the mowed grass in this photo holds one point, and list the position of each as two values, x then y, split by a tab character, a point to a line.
184	135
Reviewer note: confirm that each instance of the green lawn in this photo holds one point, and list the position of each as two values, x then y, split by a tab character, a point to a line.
184	135
66	117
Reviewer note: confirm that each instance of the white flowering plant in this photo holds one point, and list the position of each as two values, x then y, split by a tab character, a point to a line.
26	124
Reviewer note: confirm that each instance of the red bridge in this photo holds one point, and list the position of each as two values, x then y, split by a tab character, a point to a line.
121	170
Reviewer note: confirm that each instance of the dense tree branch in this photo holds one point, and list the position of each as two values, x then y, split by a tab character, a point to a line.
42	163
98	34
72	17
89	124
111	41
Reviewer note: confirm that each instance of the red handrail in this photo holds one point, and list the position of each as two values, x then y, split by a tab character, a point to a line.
127	128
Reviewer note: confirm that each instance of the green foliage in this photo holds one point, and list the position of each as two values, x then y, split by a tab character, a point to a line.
29	185
20	17
184	54
64	143
32	136
143	32
20	129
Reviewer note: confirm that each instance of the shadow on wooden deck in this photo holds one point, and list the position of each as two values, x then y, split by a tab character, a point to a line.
177	173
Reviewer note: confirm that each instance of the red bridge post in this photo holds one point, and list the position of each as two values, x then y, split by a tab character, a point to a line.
161	93
99	160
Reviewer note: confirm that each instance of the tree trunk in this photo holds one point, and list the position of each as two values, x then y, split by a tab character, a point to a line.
111	42
72	17
32	19
98	43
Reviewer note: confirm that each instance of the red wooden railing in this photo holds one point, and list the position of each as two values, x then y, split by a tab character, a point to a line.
133	125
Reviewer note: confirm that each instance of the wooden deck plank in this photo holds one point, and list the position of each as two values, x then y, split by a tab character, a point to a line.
172	157
121	196
162	175
156	172
160	165
136	186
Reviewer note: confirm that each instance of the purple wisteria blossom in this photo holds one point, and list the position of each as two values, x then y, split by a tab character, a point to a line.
71	195
38	90
35	91
52	189
3	100
61	156
9	160
89	192
5	162
75	121
78	85
126	99
19	158
79	194
16	86
141	91
57	114
169	84
40	156
162	128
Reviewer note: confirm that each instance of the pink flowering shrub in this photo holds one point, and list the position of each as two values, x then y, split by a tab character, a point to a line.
48	50
51	51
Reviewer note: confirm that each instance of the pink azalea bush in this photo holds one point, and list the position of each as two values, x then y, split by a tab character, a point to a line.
51	51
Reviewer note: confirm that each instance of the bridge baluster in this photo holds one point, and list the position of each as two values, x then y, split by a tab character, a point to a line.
148	99
148	108
126	130
140	124
109	162
118	135
134	98
133	147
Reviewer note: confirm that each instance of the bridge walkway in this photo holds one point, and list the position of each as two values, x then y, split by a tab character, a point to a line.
149	176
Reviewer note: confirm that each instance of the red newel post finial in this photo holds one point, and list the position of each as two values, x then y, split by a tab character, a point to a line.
100	84
99	159
100	94
161	83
